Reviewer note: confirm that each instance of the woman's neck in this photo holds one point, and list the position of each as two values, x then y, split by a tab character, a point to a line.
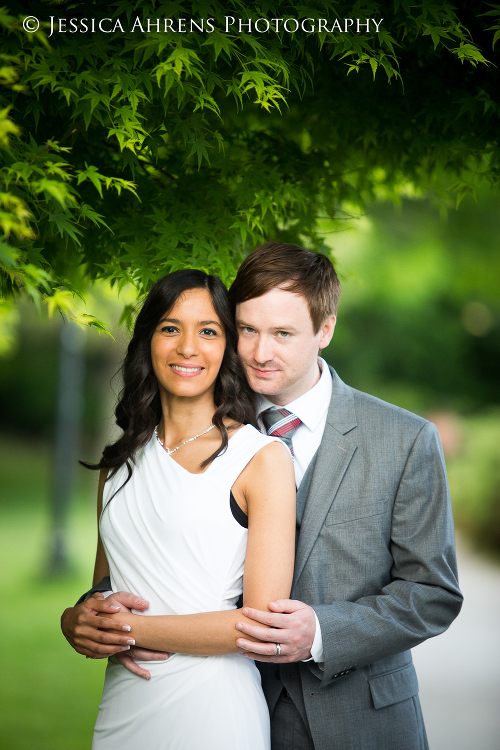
184	417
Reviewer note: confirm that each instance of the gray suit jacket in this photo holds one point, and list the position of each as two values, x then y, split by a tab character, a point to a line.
375	559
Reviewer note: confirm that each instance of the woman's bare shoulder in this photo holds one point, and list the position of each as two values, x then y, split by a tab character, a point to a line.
274	450
272	461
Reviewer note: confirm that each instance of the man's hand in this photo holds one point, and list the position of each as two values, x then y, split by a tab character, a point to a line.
141	654
290	623
85	625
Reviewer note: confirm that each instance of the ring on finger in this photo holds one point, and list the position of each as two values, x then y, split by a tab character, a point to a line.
278	649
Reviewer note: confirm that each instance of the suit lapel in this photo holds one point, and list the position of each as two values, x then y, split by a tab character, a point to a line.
333	458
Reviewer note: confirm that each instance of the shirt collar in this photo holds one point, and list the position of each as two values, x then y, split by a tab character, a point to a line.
311	407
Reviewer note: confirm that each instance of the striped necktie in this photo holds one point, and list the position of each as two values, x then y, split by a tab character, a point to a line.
280	423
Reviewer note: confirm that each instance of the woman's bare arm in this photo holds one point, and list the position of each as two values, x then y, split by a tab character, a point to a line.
82	624
101	568
268	487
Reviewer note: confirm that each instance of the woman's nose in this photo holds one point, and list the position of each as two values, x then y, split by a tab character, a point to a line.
186	345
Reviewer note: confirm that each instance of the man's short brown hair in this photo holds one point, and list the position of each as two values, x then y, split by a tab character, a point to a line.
279	264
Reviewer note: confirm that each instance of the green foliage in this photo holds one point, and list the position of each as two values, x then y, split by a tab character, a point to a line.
130	154
495	13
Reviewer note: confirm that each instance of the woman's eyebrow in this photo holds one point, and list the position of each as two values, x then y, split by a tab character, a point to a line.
209	323
200	322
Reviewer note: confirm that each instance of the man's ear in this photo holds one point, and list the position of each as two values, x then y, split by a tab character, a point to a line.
326	331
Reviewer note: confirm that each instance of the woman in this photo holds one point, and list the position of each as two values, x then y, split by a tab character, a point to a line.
174	493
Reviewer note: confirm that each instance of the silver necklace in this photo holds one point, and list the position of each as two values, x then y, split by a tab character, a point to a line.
190	440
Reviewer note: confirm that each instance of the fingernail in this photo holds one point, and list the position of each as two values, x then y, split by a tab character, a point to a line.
127	628
164	657
131	642
142	601
238	626
125	648
113	607
245	612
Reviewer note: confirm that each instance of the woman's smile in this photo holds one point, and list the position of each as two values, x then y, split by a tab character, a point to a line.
187	371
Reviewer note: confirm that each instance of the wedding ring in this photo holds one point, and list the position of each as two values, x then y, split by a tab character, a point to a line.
278	649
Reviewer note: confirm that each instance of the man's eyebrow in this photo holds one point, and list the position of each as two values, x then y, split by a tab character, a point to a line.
240	322
284	328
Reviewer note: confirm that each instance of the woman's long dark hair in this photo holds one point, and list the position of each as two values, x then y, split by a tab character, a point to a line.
139	408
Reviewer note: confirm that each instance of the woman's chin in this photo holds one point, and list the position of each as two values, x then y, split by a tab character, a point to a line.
188	388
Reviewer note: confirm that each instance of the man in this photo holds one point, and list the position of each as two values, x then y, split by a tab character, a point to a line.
375	570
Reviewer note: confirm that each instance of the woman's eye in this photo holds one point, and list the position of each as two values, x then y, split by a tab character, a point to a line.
169	329
209	332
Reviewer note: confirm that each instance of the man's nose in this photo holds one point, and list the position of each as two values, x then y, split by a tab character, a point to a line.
263	351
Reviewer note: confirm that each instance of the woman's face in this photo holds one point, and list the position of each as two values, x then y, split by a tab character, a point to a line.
188	346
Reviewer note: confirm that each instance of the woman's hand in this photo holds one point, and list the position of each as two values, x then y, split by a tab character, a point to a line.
85	626
134	653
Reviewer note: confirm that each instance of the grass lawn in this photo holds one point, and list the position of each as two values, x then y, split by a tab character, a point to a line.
49	693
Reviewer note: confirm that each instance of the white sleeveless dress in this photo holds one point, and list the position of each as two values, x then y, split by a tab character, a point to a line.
170	537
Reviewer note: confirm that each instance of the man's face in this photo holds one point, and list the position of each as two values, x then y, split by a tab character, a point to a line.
277	344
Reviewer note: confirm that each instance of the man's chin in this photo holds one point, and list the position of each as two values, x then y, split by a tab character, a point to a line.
264	386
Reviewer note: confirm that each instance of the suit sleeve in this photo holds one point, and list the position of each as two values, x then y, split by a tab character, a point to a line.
422	597
104	587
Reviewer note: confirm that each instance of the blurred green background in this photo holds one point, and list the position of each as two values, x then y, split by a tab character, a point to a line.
418	326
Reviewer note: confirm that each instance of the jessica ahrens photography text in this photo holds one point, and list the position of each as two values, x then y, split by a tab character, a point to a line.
230	25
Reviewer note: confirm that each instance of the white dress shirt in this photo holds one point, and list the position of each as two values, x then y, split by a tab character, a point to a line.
312	409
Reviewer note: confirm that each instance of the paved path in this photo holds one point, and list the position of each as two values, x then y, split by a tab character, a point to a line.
459	671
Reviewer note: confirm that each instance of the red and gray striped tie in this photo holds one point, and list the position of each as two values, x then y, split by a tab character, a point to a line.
280	423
